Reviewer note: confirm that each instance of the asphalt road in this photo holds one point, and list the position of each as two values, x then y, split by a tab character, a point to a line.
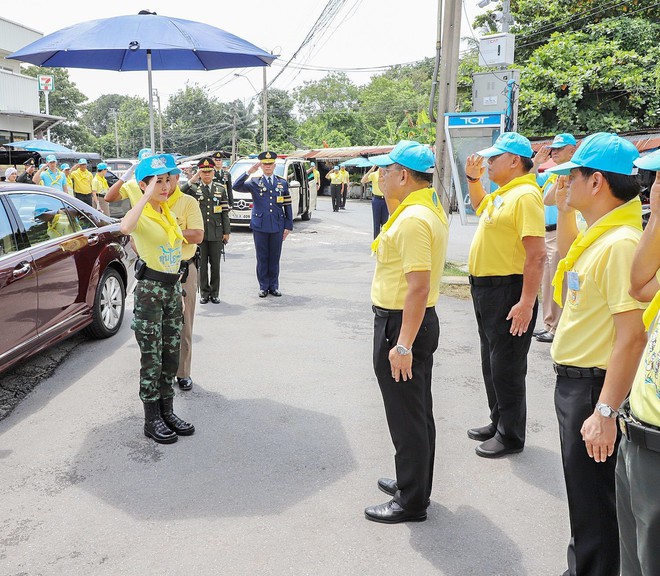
291	438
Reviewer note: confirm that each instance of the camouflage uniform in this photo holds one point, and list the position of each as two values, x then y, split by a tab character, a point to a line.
157	321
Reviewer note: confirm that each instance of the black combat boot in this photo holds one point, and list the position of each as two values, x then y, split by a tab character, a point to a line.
181	427
155	427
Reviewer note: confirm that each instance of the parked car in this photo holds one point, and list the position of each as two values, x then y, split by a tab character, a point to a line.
64	267
120	165
303	191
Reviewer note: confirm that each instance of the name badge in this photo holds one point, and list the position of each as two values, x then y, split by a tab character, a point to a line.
280	199
573	281
498	201
217	209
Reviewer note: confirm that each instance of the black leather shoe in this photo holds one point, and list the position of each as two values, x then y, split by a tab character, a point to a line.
275	293
203	300
388	486
493	448
262	293
483	433
392	513
215	300
546	337
185	383
538	332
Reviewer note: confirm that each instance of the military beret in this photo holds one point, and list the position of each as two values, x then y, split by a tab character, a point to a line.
267	157
29	162
206	165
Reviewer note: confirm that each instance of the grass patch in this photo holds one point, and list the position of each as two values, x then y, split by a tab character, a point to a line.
453	269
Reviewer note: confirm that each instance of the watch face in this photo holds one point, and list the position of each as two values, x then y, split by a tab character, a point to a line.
605	410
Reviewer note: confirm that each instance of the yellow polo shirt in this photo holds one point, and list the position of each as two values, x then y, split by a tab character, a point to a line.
585	334
189	217
497	248
645	393
69	184
132	191
375	189
82	181
345	176
335	177
153	246
416	242
99	186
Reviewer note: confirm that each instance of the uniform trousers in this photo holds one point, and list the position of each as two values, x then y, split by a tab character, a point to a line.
344	193
86	198
335	191
593	549
157	318
189	301
209	258
409	406
268	247
551	310
638	509
380	213
503	356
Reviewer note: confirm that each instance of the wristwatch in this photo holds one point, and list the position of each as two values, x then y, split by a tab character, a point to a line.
606	410
402	350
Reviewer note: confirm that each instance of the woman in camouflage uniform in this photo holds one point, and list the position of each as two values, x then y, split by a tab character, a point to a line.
158	310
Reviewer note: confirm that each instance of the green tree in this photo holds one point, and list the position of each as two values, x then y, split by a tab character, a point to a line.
99	116
282	126
133	125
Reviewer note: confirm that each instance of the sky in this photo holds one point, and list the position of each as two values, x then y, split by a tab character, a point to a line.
365	34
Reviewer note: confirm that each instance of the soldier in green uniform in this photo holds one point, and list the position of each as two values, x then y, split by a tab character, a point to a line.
212	198
223	176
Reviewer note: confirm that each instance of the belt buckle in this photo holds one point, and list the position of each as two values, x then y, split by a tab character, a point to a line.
623	426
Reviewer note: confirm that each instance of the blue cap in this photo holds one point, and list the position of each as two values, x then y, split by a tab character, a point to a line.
51	158
602	151
145	153
511	142
65	166
649	162
409	154
171	164
151	166
225	163
312	164
40	211
562	140
82	161
101	166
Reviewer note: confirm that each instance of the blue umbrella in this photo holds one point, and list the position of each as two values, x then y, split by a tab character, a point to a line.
143	42
40	146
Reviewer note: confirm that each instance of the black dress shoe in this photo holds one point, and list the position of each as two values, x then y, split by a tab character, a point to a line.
388	486
538	332
215	300
483	433
185	383
392	513
204	300
262	293
546	337
493	448
275	293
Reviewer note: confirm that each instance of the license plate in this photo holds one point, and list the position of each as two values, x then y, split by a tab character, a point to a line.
241	215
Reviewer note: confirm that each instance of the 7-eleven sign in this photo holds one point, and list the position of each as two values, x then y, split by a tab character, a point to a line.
46	83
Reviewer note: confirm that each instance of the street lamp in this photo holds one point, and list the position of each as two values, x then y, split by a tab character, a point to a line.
504	16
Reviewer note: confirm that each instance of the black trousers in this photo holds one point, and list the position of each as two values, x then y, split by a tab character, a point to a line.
409	407
343	197
86	198
335	190
503	357
594	546
209	258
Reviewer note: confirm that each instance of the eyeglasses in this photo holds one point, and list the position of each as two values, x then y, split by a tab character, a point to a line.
389	169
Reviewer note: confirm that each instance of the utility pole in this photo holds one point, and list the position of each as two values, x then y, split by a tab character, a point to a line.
449	31
114	114
160	120
233	135
264	106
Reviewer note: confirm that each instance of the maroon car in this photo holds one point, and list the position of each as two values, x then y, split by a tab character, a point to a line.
63	267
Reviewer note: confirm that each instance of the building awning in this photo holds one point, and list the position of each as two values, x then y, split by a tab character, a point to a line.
40	122
338	154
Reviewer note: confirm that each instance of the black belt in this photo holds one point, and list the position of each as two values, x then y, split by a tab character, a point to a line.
163	277
550	227
385	312
639	433
577	372
496	280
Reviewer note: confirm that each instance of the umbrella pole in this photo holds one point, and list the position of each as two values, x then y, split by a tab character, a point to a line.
152	133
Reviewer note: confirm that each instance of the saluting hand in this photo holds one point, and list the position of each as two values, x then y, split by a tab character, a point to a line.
401	365
254	168
149	191
561	194
474	166
542	156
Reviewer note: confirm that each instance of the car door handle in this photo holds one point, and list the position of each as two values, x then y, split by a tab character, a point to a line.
22	271
93	239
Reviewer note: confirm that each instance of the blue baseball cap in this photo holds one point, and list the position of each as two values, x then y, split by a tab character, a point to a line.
101	166
82	161
145	153
602	151
649	161
51	158
171	164
511	142
65	166
562	140
409	154
151	166
40	211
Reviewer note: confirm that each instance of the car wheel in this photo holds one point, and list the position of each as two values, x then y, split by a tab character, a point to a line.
307	215
109	304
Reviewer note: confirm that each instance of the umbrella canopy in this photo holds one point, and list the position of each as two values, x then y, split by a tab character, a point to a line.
357	163
143	42
40	146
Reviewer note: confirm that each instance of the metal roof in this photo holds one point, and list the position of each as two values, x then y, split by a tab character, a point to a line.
342	153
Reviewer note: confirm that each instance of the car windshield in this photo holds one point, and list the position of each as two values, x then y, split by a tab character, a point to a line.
243	165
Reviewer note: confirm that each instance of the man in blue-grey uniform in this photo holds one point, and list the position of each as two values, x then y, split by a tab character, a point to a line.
271	219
